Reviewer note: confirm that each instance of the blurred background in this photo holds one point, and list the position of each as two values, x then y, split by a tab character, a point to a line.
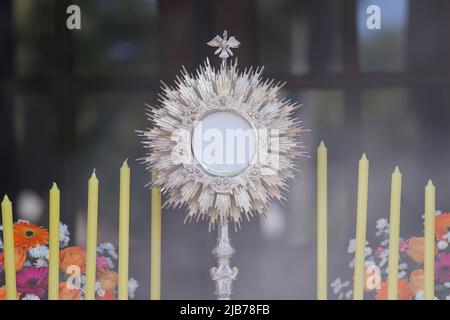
70	101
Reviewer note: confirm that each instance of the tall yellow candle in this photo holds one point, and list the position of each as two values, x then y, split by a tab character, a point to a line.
53	244
155	256
91	237
361	222
394	234
124	229
322	224
430	209
9	263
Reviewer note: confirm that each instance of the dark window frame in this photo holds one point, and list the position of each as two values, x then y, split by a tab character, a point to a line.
68	87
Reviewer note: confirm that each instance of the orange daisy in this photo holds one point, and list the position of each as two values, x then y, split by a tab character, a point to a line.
3	293
20	255
442	225
28	235
404	291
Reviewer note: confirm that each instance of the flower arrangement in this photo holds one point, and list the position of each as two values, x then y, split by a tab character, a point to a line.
411	273
31	253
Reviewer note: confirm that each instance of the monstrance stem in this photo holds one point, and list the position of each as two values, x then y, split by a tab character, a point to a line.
223	275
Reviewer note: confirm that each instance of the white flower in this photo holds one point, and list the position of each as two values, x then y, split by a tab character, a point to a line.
108	249
349	294
41	262
384	257
99	289
401	274
447	297
64	235
132	286
402	266
337	286
384	243
368	251
438	212
370	263
446	236
82	284
442	245
39	252
31	297
352	263
447	284
110	263
335	282
419	295
382	223
351	246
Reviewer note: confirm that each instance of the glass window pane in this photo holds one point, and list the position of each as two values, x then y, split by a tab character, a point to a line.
383	49
300	36
35	121
117	37
405	128
323	112
34	37
105	137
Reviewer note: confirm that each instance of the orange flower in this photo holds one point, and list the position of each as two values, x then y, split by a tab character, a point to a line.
3	293
72	256
28	235
109	280
404	291
416	249
68	293
108	296
416	280
442	225
20	255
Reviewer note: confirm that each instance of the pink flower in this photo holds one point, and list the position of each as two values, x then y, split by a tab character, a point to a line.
442	267
31	280
379	250
102	264
403	246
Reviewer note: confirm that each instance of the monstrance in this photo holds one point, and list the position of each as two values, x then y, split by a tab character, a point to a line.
223	144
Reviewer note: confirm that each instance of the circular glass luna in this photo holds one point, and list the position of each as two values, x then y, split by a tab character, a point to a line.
223	143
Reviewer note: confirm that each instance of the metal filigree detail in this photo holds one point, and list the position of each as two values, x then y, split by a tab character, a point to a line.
224	45
223	275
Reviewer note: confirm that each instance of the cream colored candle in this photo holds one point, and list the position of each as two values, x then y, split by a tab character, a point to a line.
9	263
394	234
155	257
430	200
91	237
361	222
124	230
53	244
322	224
